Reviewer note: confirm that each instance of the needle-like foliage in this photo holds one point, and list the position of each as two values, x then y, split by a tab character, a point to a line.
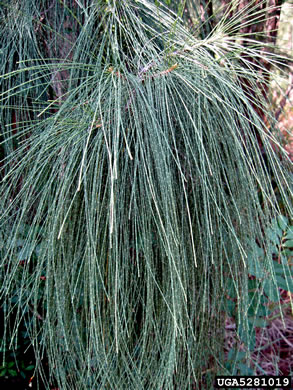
136	176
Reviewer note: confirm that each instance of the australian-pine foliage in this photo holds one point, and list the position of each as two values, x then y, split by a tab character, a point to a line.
136	177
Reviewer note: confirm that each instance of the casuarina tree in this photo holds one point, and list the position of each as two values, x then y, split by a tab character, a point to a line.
138	179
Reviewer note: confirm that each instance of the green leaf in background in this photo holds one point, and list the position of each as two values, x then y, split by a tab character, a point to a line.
252	284
287	252
275	227
271	290
278	268
229	308
273	236
231	289
258	322
29	368
284	284
236	355
12	372
282	222
289	233
255	266
288	243
257	308
245	370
